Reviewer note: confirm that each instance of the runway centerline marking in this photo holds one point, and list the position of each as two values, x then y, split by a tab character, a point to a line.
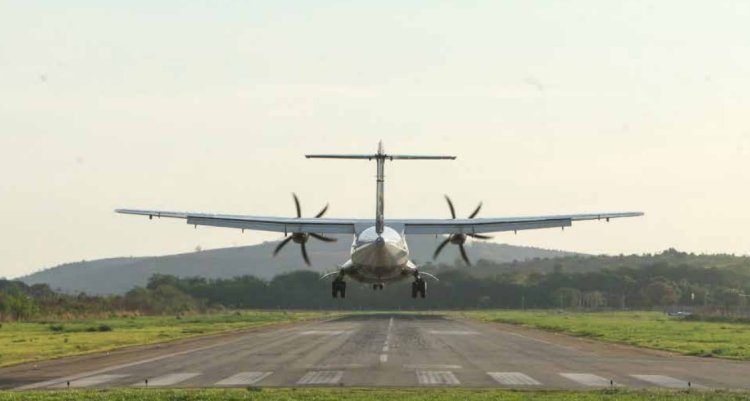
587	379
167	380
243	379
666	381
321	377
433	377
386	344
90	381
513	379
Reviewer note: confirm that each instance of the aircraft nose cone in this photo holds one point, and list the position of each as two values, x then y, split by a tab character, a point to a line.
380	242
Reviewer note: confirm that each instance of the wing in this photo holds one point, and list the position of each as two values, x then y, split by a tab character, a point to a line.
260	223
487	225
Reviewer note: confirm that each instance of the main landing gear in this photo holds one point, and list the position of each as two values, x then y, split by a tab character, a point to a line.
418	287
338	287
376	287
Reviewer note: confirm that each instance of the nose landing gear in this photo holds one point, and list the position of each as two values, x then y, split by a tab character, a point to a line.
338	287
378	286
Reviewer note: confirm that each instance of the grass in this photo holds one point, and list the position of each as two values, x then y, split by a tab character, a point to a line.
324	394
644	329
33	341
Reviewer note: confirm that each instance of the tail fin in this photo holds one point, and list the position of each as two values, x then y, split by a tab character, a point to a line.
380	157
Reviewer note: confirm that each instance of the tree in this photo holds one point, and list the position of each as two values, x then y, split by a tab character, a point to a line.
661	292
567	297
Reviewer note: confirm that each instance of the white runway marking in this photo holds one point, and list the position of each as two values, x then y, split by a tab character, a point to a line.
90	381
453	332
167	380
386	344
121	366
324	332
436	377
322	377
587	379
513	379
243	379
419	367
666	381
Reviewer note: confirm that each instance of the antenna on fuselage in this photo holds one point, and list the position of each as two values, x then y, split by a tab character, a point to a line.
380	157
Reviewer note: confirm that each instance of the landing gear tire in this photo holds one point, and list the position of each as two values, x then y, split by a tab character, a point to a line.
338	287
419	288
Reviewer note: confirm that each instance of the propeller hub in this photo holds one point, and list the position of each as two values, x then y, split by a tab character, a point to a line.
300	238
458	239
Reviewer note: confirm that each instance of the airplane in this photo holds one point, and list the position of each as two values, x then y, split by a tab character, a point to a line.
379	252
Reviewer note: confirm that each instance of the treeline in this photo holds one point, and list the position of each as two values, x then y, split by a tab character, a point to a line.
19	302
660	285
626	283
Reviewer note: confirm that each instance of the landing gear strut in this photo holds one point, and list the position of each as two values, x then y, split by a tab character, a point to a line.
418	287
338	286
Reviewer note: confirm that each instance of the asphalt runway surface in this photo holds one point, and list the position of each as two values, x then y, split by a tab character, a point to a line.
384	350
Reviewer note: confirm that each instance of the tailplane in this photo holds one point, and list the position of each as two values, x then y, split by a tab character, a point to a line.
380	157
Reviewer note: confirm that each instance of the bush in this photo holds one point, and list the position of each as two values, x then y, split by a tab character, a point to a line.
56	328
101	328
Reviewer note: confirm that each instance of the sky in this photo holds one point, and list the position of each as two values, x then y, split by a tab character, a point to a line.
551	107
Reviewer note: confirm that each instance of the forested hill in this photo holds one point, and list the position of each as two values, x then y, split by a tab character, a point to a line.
118	275
588	263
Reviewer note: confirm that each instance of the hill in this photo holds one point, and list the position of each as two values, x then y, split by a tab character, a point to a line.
118	275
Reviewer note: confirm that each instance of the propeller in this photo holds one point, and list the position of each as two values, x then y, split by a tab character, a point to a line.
301	238
459	239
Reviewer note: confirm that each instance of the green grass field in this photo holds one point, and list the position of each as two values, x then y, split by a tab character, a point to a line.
645	329
322	394
25	342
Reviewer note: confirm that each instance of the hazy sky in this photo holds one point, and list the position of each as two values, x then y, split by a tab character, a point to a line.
550	106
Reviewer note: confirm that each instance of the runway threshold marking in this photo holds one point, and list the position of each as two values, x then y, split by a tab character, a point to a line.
244	379
513	379
324	332
437	377
666	381
587	379
167	380
453	332
321	377
90	381
437	366
78	376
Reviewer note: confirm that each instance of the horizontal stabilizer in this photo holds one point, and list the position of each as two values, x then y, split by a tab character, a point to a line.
383	156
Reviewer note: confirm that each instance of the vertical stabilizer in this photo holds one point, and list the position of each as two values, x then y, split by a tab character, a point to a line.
380	159
379	189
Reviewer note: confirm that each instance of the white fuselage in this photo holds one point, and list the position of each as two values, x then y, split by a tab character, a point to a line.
379	258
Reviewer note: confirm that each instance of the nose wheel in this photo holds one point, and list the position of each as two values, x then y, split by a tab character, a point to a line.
338	287
377	287
419	288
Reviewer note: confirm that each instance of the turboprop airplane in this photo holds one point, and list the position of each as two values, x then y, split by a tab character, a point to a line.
379	253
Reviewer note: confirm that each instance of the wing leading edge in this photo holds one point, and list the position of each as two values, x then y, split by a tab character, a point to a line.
353	226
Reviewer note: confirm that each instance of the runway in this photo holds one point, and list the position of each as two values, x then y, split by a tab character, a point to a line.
385	350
